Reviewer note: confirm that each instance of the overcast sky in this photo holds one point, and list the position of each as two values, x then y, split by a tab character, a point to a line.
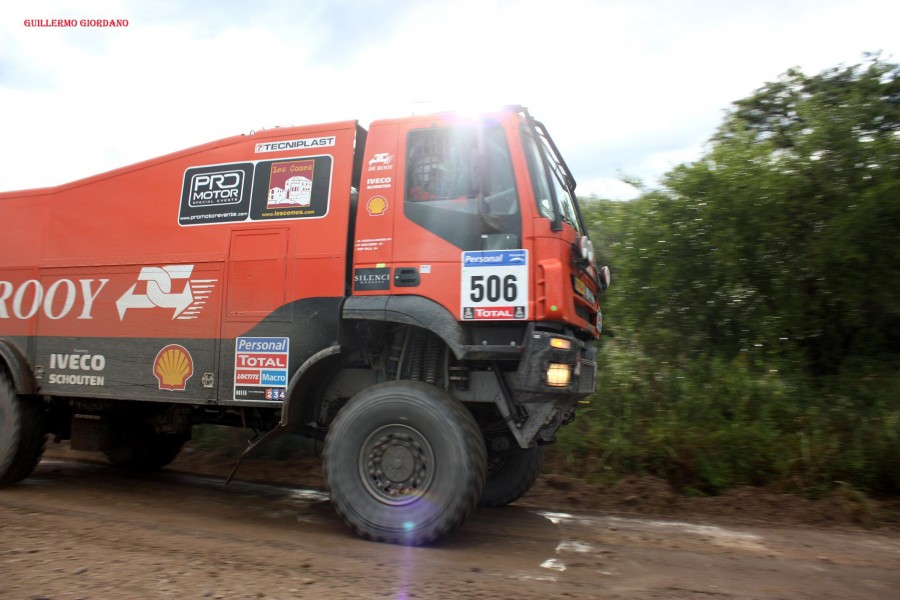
626	87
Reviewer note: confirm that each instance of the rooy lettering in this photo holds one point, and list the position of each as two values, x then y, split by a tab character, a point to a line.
27	299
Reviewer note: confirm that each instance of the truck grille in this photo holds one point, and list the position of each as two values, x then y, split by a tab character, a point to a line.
587	381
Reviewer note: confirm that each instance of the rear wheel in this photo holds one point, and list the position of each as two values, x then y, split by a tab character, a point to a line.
510	475
404	463
22	436
146	451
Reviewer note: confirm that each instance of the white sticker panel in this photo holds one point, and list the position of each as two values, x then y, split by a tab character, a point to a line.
494	285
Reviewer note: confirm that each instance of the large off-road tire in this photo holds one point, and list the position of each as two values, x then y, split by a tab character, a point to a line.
510	475
404	463
22	437
146	451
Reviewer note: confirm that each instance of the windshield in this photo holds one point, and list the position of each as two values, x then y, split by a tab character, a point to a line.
554	188
460	185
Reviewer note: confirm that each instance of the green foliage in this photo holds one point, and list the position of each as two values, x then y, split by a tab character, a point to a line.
753	327
705	423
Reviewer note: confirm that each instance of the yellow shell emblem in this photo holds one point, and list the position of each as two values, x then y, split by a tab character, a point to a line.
173	367
376	206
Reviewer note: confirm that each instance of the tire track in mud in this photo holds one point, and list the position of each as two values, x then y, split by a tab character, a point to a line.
78	530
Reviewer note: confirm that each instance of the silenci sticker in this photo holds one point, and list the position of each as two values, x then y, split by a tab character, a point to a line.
366	280
216	194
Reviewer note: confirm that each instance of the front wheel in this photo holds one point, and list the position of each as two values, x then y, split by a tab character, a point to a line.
404	463
510	475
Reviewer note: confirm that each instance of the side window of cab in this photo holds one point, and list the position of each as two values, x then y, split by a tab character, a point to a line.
459	185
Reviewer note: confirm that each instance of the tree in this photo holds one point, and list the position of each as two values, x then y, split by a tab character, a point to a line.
754	314
781	241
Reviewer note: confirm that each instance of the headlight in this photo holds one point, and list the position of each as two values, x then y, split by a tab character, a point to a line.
584	248
558	374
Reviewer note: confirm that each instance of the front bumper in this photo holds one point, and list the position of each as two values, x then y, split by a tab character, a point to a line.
555	367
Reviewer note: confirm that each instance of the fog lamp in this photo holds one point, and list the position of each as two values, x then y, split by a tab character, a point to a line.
560	344
558	374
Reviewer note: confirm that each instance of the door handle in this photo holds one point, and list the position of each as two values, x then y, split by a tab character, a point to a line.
406	277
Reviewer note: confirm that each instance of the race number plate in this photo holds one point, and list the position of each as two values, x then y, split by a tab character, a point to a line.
494	285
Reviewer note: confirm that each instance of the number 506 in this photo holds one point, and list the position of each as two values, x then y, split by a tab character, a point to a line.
493	288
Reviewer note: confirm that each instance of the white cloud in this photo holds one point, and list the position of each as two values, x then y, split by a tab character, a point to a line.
630	88
605	187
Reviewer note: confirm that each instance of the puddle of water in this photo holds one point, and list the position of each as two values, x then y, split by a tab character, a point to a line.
575	547
530	577
718	536
554	565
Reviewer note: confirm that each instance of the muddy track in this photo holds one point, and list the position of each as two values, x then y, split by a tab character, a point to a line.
82	530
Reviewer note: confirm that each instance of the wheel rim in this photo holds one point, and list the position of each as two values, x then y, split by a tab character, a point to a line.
495	465
396	463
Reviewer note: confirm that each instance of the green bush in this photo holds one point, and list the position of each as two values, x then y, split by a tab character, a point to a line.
706	424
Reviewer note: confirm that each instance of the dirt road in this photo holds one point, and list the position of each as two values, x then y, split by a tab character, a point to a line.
81	530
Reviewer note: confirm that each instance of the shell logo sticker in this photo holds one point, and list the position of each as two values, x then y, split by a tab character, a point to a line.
173	367
376	206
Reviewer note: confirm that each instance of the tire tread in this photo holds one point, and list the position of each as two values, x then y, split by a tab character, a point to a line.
457	513
28	439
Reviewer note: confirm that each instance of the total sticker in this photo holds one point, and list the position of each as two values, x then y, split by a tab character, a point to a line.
261	368
494	285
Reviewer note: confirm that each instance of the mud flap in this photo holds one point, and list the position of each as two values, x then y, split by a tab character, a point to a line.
268	437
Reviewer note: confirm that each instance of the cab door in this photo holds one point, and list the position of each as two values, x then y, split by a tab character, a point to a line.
458	211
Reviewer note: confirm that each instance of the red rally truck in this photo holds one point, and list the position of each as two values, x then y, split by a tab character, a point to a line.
422	296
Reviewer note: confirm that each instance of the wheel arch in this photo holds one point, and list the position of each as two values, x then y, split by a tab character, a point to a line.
16	363
300	395
416	311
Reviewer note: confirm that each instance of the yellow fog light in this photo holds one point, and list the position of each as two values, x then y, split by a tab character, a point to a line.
558	375
560	344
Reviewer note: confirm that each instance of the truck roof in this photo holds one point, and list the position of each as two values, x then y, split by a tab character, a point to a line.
254	136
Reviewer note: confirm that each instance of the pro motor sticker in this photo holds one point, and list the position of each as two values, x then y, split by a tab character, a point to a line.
261	368
289	188
216	194
494	285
